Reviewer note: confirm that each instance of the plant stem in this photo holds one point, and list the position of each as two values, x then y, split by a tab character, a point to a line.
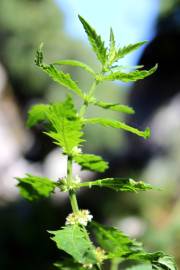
90	93
115	264
72	193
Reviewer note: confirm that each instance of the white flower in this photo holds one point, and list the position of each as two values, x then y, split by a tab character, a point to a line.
77	179
76	150
100	254
88	265
81	217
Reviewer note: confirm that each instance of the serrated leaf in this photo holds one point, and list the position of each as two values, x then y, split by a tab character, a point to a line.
76	64
118	245
129	48
57	75
34	187
36	114
114	242
66	125
91	162
117	124
119	184
72	239
115	107
112	48
95	41
166	262
159	260
131	76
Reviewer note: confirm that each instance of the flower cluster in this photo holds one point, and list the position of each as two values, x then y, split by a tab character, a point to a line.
100	256
81	217
76	150
88	265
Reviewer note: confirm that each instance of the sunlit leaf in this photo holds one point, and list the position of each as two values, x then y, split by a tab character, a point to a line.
115	107
91	162
131	76
57	75
35	187
95	41
76	64
66	125
112	48
119	184
117	124
73	240
36	114
129	48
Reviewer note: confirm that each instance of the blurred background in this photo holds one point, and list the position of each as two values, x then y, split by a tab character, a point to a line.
152	216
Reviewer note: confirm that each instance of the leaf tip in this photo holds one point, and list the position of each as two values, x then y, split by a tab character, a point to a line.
147	133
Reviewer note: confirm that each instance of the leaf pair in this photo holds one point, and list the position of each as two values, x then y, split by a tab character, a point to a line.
108	57
36	187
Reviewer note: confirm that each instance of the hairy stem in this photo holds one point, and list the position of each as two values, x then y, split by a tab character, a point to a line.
72	193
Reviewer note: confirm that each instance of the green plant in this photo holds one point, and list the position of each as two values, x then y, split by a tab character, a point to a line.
64	124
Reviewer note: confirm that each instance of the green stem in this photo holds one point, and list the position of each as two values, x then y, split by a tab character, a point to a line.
72	193
90	93
115	264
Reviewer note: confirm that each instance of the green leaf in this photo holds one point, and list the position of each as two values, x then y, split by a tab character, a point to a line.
115	107
73	240
114	242
166	262
36	114
58	76
76	64
35	187
117	124
112	48
119	184
129	48
159	260
95	41
91	162
118	245
66	125
131	76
